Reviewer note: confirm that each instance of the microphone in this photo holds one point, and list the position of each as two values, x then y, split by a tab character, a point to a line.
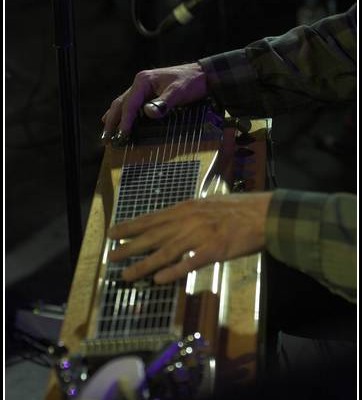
180	15
183	13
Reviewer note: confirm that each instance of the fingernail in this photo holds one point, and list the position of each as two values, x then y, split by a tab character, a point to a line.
107	137
122	138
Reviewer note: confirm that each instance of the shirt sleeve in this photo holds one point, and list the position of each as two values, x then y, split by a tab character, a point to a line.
316	233
275	75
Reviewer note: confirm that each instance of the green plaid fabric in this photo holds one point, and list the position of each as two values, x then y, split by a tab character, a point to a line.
313	232
316	233
275	75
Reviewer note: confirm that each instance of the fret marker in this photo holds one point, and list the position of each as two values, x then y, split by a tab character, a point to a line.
133	297
215	278
141	284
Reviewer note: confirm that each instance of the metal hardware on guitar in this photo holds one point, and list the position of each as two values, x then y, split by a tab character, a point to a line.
243	125
72	371
152	129
183	370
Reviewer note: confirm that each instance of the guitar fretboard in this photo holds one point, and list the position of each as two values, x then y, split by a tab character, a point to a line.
143	308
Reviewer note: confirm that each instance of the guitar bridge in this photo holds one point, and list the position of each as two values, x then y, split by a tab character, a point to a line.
110	347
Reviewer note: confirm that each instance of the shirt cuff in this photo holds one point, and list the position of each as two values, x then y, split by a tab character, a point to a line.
293	229
233	82
316	234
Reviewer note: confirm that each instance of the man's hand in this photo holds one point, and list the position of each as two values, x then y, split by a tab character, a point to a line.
171	86
214	229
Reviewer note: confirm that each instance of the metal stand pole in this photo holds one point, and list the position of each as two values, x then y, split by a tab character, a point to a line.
68	86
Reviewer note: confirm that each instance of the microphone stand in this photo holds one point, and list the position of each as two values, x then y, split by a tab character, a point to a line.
69	106
43	322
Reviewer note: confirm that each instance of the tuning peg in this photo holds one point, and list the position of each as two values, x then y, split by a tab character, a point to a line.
244	139
57	351
243	152
243	185
243	125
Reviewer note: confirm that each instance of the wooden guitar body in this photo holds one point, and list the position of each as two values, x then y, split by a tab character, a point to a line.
189	157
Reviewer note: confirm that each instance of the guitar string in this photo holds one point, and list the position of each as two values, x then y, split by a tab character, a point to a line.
178	196
182	191
106	294
149	204
171	291
173	116
152	180
170	119
166	292
173	288
126	295
119	292
194	113
123	208
201	130
203	115
178	192
152	291
129	211
127	310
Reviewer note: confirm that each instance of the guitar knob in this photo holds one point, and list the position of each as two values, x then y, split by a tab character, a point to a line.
243	185
57	351
243	125
243	152
180	370
244	139
72	372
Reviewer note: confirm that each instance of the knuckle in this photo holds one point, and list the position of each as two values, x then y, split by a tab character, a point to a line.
113	232
179	88
142	76
181	269
221	250
136	270
126	249
163	255
116	102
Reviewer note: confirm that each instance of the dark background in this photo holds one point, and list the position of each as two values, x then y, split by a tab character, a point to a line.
109	52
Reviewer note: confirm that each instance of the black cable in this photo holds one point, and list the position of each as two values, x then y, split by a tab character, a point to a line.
141	28
31	348
25	115
270	158
180	15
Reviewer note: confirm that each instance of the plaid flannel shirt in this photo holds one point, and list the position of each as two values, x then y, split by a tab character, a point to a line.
313	232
